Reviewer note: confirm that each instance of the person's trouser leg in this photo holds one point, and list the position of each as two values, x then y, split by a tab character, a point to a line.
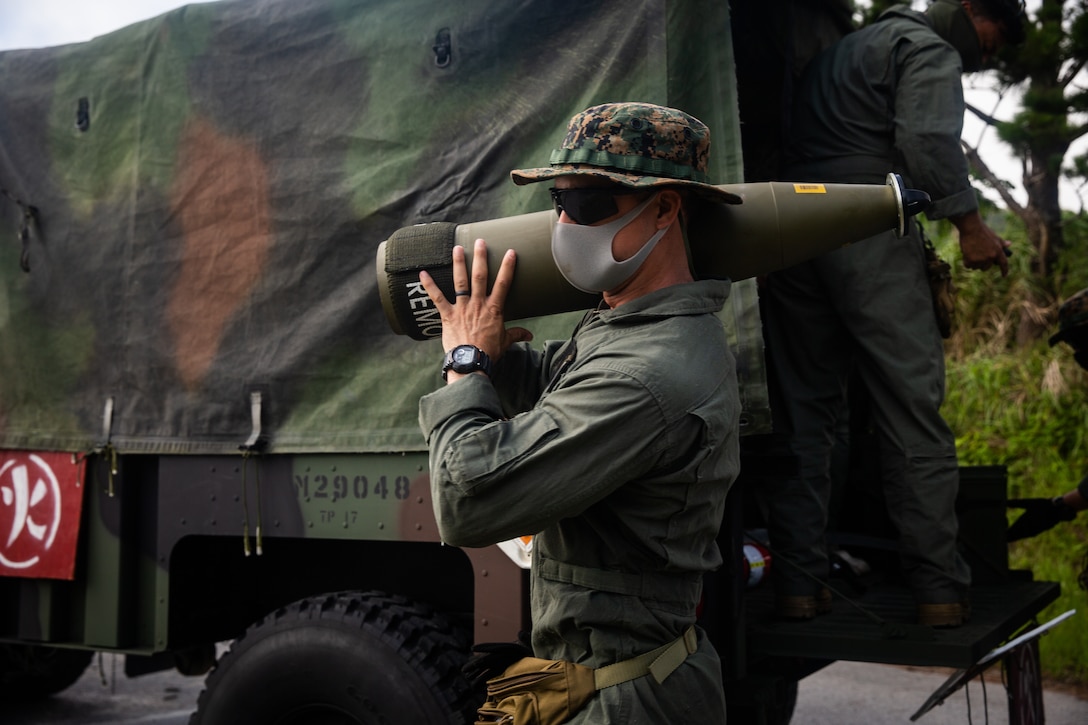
888	308
808	355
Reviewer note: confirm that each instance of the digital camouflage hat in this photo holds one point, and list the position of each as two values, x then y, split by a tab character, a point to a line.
1073	314
635	145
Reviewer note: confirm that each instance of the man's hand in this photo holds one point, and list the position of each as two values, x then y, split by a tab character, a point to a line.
490	660
1040	514
981	247
476	317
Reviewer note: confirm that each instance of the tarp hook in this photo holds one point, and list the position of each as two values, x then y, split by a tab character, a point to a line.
253	445
442	48
30	219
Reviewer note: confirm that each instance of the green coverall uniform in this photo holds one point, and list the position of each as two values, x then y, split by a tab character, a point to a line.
885	98
617	450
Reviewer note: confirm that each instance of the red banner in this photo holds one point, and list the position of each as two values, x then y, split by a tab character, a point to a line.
41	497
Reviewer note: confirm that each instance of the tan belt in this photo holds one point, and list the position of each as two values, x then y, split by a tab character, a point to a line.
660	663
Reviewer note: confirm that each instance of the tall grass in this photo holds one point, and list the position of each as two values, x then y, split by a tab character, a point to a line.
1024	405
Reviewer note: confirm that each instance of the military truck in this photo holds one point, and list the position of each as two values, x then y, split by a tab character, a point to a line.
207	427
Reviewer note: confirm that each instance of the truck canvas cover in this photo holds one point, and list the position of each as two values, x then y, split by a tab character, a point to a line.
191	205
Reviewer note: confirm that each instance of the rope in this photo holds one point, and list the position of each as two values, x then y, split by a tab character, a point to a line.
246	454
245	505
109	452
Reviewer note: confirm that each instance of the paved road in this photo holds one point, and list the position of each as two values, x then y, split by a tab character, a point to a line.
846	693
105	695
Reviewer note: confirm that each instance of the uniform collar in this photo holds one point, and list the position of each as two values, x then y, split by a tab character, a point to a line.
693	298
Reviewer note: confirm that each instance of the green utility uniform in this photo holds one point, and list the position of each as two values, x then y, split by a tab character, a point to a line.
886	98
617	450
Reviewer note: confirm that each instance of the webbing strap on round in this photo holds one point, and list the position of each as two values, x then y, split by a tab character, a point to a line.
407	251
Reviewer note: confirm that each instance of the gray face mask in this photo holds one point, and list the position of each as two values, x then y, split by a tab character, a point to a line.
584	253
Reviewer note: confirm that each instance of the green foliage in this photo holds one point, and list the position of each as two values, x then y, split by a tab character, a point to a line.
1052	105
1025	408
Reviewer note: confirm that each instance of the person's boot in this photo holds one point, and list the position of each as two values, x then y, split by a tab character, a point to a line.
944	615
802	607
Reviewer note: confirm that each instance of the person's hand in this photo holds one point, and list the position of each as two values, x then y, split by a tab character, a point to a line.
476	317
490	659
1040	514
981	246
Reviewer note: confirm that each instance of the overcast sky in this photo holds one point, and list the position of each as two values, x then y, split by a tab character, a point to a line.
42	23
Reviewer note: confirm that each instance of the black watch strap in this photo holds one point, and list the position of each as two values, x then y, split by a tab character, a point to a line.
466	359
1065	511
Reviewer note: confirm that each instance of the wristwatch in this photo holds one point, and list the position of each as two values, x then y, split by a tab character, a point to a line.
466	359
1064	510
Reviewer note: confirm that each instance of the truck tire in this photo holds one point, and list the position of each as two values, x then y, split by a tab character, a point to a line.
347	658
31	672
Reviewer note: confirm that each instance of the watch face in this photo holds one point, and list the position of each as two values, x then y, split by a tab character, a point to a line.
464	355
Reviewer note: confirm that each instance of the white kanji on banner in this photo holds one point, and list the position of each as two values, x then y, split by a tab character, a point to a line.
40	502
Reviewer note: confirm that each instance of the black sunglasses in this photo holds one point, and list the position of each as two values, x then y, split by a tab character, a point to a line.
589	204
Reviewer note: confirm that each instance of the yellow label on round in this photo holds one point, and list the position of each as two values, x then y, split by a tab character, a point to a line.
809	189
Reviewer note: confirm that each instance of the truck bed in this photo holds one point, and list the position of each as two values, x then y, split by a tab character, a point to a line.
885	631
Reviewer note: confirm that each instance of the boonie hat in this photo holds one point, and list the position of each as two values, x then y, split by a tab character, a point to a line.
1072	314
635	145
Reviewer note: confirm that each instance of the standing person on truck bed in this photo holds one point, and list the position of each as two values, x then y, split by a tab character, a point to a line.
885	98
1041	514
617	447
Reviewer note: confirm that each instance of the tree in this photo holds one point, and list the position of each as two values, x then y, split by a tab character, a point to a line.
1047	70
1046	67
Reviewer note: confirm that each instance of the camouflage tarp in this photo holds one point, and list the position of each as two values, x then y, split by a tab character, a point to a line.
203	195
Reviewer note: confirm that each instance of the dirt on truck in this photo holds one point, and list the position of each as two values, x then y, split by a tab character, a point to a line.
208	428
